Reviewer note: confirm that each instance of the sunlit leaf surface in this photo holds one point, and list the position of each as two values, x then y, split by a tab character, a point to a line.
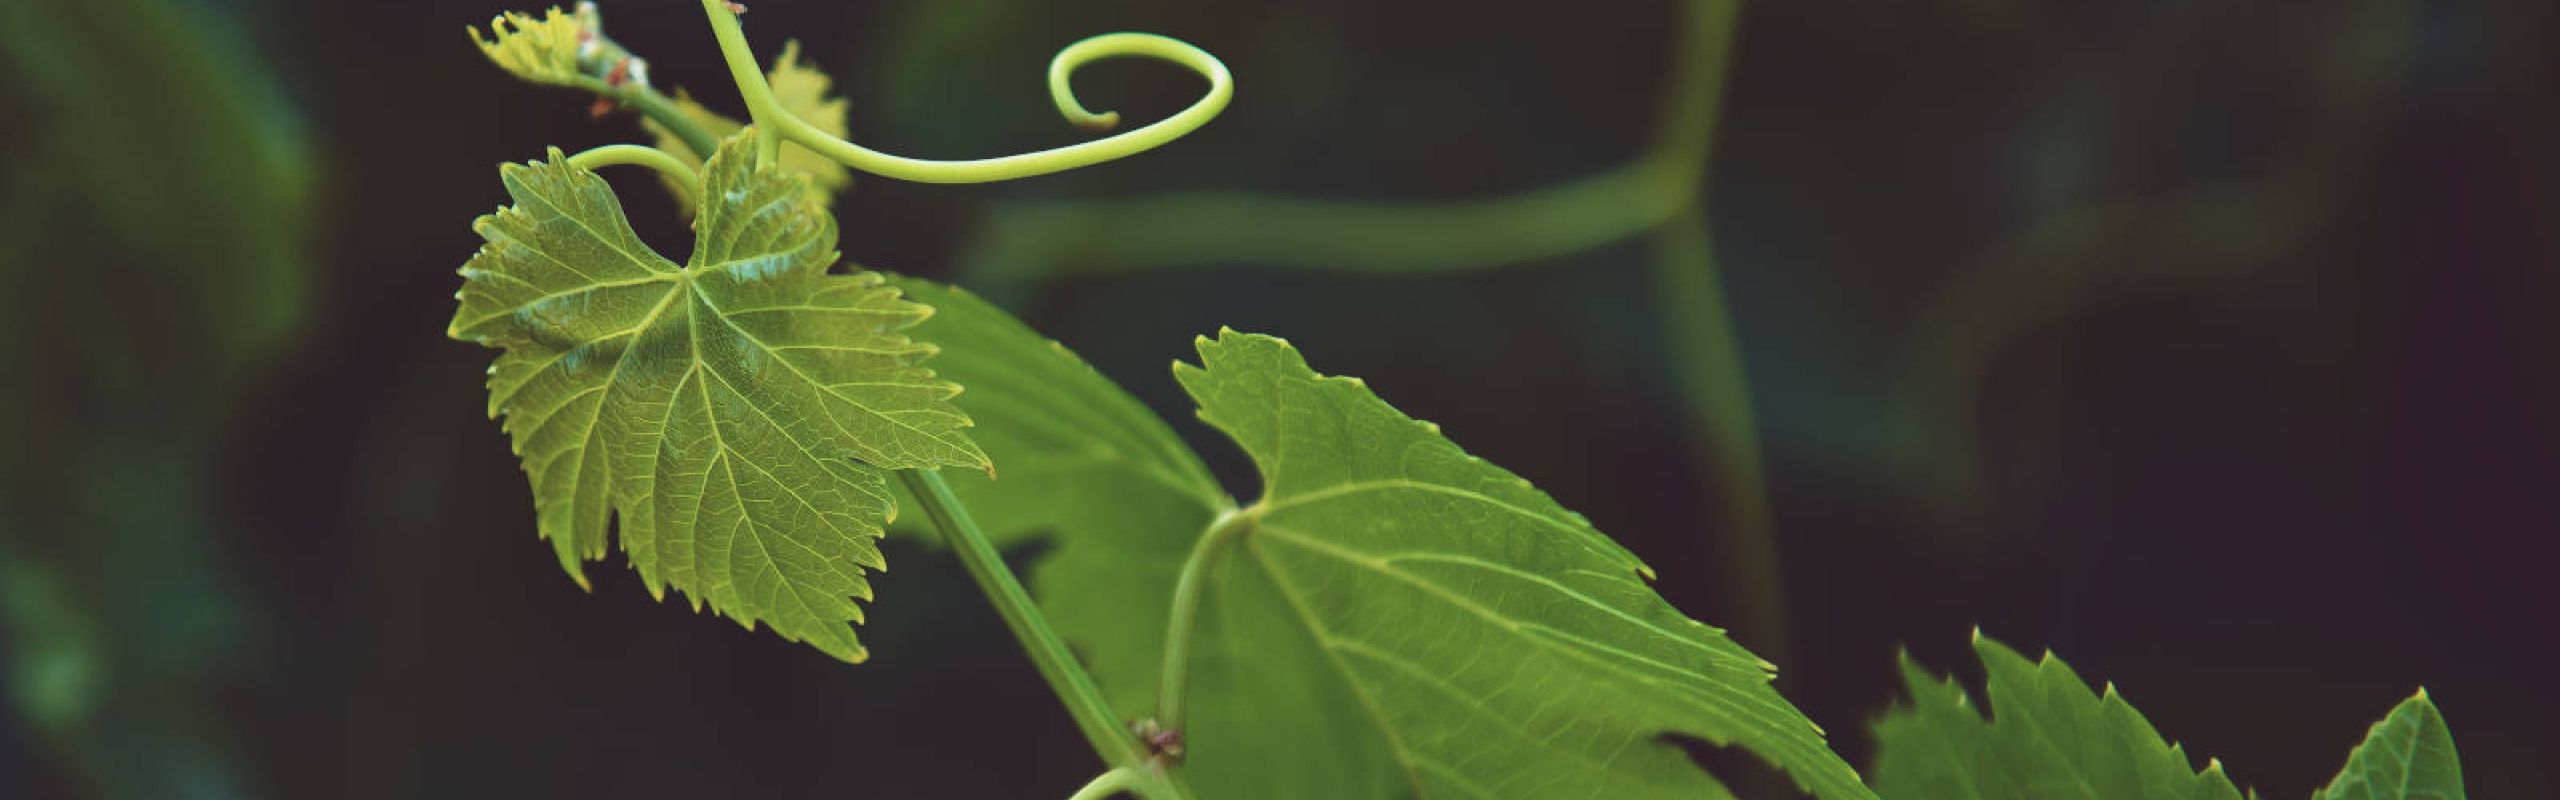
2048	736
734	413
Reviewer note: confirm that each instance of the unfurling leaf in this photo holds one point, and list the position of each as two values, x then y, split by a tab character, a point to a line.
2409	755
543	50
2048	736
734	413
1496	643
800	89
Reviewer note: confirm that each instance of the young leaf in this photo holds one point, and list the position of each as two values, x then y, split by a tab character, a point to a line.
538	50
2048	736
802	90
2409	755
1500	645
734	413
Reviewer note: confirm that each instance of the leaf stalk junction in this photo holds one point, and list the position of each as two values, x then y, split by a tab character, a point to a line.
775	124
571	50
1134	768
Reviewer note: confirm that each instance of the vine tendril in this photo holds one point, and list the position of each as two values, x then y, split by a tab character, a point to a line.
636	154
775	124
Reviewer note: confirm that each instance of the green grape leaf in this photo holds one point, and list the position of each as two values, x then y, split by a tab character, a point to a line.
1498	643
1275	713
735	413
2048	736
802	90
1118	493
1123	500
2409	755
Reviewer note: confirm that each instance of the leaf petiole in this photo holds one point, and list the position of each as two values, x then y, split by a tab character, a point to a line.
1101	727
1173	679
658	109
766	112
1126	779
1107	784
640	155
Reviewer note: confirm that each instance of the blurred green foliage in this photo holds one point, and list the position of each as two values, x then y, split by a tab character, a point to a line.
157	209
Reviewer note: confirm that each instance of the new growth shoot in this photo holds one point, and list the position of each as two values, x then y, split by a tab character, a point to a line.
571	50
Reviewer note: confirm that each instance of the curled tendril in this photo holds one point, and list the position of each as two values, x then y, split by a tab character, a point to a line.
774	124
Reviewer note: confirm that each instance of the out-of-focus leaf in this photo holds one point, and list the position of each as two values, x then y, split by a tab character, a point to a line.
54	674
2048	736
2409	755
162	157
802	90
735	413
157	201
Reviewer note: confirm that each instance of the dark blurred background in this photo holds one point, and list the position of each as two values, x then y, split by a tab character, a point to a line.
2211	345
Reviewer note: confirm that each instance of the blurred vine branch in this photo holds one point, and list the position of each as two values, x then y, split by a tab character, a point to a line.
2068	262
1032	239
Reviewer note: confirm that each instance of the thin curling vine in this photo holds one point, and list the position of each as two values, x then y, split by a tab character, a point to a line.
1388	616
571	50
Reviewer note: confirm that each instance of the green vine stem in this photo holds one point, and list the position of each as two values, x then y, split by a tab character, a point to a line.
1119	779
775	123
659	109
1705	364
1074	687
1084	700
1143	783
638	155
1027	240
1659	193
1173	678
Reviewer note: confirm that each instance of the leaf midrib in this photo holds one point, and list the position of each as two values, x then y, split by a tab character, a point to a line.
1552	642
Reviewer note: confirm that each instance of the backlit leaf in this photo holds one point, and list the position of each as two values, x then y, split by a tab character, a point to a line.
734	413
2409	755
2048	736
